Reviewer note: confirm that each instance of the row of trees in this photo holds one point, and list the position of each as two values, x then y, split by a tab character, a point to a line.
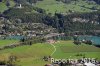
30	41
27	1
97	1
66	1
69	1
25	41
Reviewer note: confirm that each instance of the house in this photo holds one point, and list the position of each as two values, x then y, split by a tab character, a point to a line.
19	6
52	35
80	20
51	41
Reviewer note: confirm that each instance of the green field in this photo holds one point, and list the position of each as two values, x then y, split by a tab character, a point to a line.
3	6
66	49
52	6
7	42
29	55
32	55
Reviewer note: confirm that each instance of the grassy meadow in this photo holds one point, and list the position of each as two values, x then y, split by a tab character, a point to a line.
32	55
66	49
28	55
7	42
52	6
3	6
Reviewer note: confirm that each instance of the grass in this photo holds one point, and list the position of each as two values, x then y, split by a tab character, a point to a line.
32	62
6	42
79	49
3	6
52	6
32	55
66	49
29	55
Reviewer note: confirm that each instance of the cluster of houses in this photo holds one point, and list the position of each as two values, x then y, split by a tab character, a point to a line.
36	30
53	37
78	19
8	28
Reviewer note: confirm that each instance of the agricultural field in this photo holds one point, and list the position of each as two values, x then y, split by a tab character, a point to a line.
32	55
52	6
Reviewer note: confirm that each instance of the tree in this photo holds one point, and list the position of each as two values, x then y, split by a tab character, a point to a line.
7	3
77	42
12	60
0	0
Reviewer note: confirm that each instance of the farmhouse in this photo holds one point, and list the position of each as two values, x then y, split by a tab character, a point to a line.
51	41
97	31
19	6
51	35
80	20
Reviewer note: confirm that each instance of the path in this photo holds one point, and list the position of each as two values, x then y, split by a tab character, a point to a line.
54	49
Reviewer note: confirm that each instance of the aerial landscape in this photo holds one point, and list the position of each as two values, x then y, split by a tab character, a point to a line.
49	32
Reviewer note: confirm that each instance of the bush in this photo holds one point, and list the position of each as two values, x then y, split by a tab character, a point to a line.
77	42
88	42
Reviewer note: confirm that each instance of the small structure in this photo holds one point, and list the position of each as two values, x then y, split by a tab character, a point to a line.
19	6
54	36
51	41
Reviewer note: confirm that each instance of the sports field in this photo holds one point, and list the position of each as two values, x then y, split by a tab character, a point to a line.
32	55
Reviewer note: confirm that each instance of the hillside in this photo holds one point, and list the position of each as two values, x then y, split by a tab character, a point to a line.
52	6
4	5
